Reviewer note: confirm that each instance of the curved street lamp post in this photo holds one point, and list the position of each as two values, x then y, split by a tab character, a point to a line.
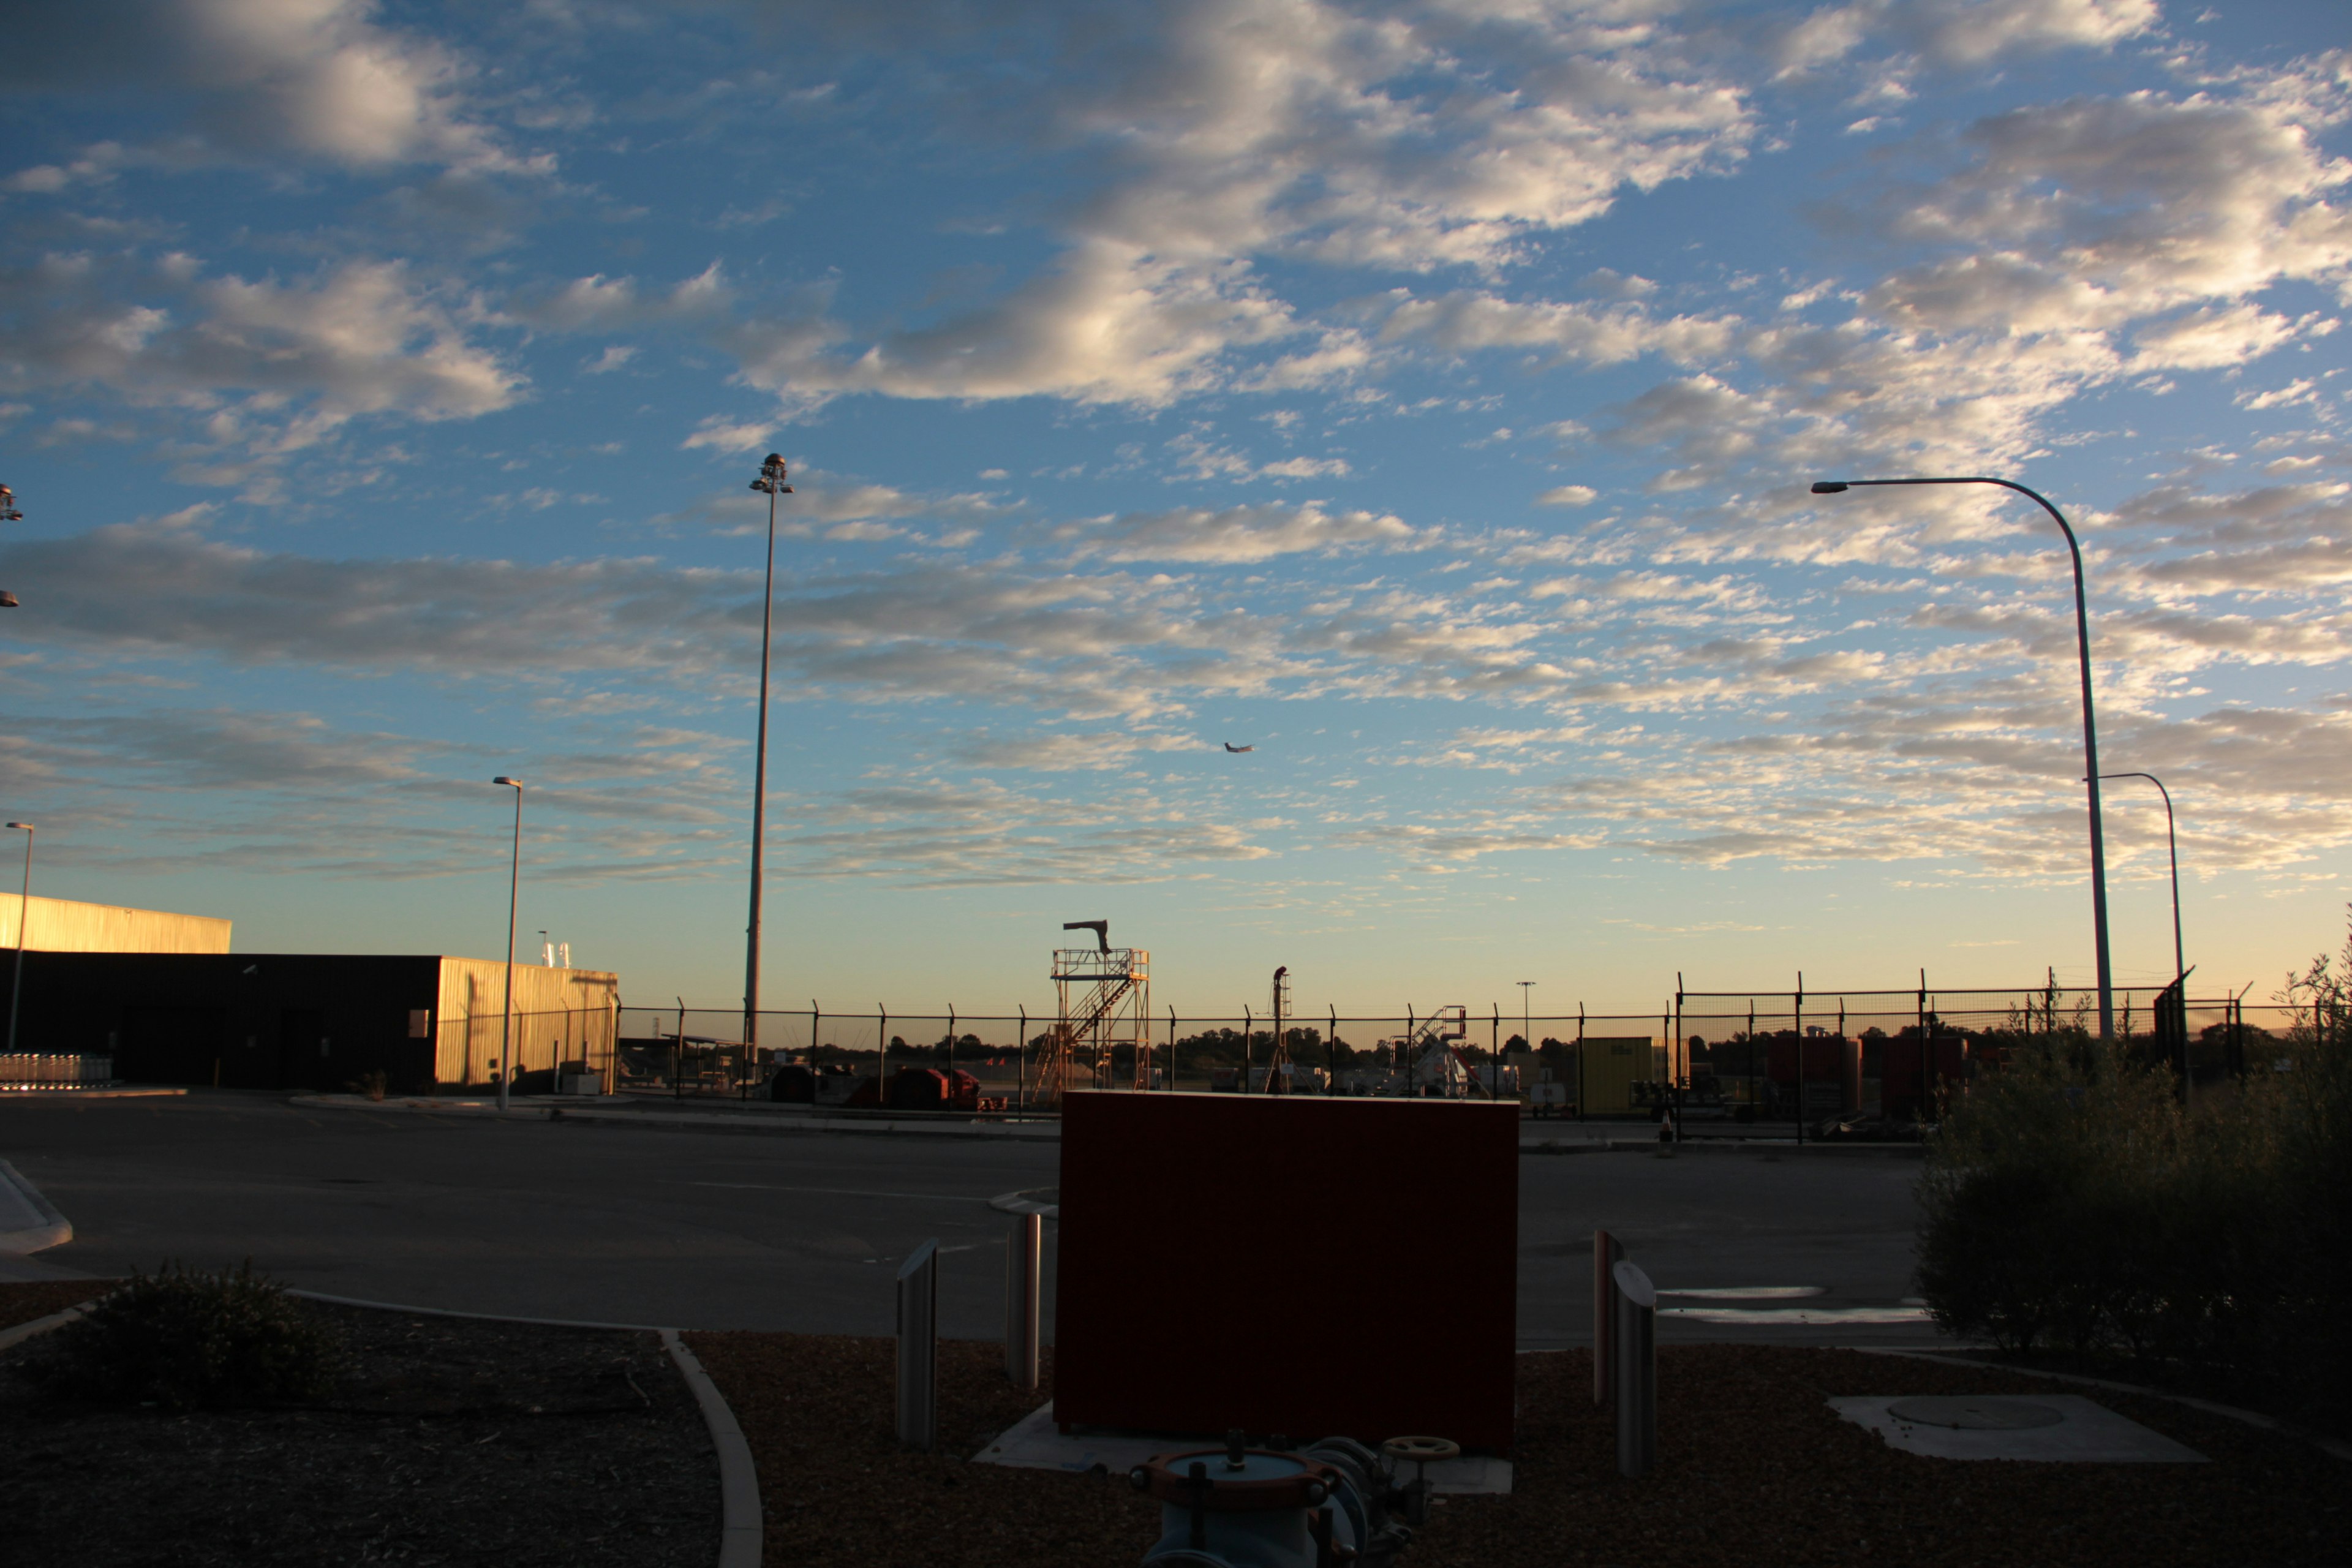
514	886
2172	848
2090	726
771	484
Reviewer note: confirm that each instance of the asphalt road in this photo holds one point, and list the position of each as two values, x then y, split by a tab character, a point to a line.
696	1229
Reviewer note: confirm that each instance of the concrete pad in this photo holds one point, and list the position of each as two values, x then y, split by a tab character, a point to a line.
1038	1443
1797	1317
2041	1429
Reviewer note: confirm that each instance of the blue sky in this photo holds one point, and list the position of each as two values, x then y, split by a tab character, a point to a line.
1424	394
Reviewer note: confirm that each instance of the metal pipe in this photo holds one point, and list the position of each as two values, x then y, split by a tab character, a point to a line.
2090	724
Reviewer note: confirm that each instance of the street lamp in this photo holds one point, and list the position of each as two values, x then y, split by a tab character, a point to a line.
23	923
1526	1031
771	484
514	886
2172	847
2090	726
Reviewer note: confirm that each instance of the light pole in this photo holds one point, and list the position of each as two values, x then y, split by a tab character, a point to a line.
23	923
2090	724
2172	847
770	483
8	513
514	886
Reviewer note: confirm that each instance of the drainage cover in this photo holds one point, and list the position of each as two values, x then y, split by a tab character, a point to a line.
1974	1413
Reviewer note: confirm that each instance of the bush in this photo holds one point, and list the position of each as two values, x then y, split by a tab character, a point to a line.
186	1340
2071	1202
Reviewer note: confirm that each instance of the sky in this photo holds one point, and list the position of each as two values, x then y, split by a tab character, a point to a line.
1421	395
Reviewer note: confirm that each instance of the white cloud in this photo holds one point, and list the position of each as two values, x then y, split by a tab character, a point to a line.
1569	495
1242	533
310	79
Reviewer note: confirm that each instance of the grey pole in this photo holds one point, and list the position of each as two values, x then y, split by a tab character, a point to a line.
918	1346
1023	1272
772	482
1607	1253
514	886
2090	726
23	923
2172	847
1527	1029
1637	1370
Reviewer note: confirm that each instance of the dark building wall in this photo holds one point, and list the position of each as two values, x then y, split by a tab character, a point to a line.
316	1021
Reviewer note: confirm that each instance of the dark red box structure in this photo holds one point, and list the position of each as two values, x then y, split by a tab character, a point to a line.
1298	1265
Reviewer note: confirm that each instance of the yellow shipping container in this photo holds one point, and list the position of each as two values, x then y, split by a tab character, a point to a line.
1610	1067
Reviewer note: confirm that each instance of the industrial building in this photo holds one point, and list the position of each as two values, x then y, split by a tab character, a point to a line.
162	995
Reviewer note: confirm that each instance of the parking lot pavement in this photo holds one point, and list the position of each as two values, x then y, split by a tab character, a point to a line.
545	1219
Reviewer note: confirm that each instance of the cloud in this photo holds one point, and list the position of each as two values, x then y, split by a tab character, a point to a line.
1242	534
1568	495
306	79
1465	322
270	367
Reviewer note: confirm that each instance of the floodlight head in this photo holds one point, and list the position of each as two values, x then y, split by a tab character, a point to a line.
7	600
1829	487
26	826
504	780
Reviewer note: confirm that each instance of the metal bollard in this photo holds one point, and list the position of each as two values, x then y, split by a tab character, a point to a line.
1025	1252
1637	1370
918	1348
1607	1253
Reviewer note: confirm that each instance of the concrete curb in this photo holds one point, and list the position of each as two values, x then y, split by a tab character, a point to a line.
478	1317
2334	1448
50	1229
690	1121
740	1524
11	1338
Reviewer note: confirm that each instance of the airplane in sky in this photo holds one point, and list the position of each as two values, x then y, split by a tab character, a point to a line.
1231	747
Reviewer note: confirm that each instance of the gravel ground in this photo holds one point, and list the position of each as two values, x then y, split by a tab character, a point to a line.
447	1441
1754	1469
21	1303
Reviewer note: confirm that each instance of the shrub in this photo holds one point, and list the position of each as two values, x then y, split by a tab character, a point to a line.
375	1084
2070	1201
188	1340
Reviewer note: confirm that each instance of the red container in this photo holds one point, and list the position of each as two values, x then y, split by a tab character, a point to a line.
1910	1070
1291	1264
1830	1060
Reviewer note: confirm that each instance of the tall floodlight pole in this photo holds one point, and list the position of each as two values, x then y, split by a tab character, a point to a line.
24	923
2090	724
8	513
1526	1028
2172	848
514	886
770	483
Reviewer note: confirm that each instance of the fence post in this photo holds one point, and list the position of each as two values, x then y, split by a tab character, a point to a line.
1637	1370
1607	1253
919	1347
1023	1267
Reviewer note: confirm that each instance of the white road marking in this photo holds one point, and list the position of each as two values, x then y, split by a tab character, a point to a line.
1752	1293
